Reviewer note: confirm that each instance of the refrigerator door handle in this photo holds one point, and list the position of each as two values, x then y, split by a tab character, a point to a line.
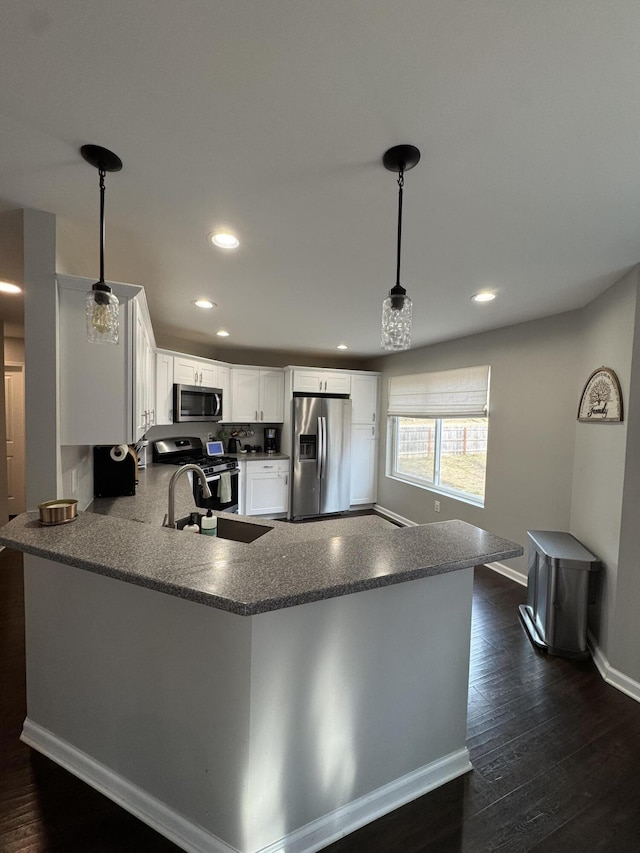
319	451
324	447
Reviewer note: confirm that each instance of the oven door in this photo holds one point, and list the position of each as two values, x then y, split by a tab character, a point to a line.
224	491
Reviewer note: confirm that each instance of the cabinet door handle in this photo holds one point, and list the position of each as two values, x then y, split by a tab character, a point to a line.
373	430
320	385
325	384
153	416
286	479
256	414
374	417
261	415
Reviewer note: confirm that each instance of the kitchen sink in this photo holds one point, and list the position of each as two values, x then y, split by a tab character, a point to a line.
238	531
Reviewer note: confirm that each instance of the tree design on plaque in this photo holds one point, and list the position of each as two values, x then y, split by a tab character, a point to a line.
601	400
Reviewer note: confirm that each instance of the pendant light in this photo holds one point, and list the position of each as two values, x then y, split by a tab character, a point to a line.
102	304
397	307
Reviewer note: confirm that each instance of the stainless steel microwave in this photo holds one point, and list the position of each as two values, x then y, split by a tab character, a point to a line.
196	403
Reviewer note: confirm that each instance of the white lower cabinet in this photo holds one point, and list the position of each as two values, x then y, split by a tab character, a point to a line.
364	461
266	487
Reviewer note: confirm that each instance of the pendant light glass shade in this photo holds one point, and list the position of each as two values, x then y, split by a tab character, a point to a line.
396	323
397	307
101	305
103	315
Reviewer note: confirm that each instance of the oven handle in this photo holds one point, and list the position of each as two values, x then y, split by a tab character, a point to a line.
233	471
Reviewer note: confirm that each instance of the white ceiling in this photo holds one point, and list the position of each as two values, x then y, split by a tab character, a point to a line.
271	117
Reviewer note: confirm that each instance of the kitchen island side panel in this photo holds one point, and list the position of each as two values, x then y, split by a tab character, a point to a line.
152	687
350	694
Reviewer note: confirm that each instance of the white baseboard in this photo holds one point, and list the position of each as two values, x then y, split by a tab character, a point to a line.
148	809
399	519
508	572
335	825
193	839
611	675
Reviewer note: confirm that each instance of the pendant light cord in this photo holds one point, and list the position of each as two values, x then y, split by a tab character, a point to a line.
400	185
102	174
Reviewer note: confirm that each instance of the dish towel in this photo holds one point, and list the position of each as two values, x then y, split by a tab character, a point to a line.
224	488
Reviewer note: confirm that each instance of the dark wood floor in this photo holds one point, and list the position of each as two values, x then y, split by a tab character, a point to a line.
556	756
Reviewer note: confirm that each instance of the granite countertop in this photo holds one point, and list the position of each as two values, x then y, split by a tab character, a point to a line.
256	457
290	564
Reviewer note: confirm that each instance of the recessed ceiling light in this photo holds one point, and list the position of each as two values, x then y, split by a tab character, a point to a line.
223	240
484	296
204	303
342	346
222	334
7	287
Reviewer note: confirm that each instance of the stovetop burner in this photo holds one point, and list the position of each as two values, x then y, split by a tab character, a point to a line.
185	451
203	461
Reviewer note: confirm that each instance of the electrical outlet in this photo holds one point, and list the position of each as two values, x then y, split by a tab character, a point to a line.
211	436
437	506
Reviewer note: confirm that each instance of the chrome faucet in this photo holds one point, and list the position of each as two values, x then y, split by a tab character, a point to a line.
206	491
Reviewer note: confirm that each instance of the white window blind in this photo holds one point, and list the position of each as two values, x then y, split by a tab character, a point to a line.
463	392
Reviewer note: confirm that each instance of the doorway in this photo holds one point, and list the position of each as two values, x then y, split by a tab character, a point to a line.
15	432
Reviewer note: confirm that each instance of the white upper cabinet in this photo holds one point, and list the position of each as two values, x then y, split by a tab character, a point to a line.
322	381
194	371
144	378
187	370
164	388
364	398
97	391
257	395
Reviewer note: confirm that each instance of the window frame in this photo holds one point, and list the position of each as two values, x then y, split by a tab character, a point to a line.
435	486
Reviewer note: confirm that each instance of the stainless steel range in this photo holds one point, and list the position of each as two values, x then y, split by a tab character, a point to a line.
221	471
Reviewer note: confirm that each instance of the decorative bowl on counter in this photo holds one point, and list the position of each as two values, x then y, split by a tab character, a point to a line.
60	511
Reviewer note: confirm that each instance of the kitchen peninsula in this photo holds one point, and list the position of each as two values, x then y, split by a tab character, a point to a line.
265	696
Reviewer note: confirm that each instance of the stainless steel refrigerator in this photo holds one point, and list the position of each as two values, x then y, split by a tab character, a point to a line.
321	453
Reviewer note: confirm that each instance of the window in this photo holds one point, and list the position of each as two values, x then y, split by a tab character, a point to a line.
438	431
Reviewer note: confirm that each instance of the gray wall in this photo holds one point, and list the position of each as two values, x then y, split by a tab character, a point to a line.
607	338
623	637
533	402
544	469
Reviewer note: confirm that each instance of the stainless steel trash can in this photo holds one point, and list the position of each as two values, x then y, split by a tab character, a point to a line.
555	615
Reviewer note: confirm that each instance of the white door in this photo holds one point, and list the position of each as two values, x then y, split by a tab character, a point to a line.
364	399
164	388
14	414
267	493
364	457
184	371
309	382
336	383
245	395
208	375
271	396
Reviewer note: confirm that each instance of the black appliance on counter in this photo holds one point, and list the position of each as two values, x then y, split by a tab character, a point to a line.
115	471
221	472
270	440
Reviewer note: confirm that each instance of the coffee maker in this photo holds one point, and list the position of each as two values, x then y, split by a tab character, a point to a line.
271	440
